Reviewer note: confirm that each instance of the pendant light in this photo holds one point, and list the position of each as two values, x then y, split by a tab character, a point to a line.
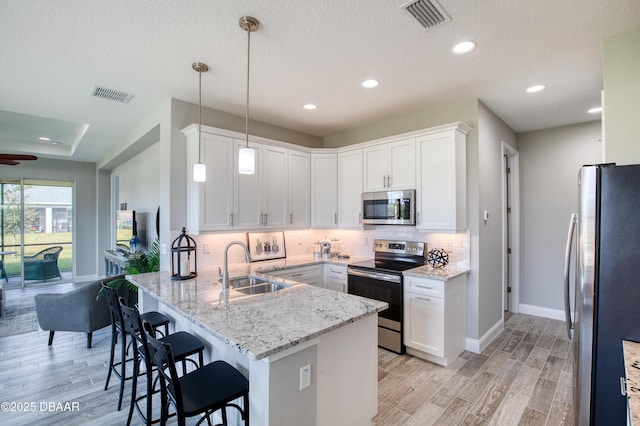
246	155
199	168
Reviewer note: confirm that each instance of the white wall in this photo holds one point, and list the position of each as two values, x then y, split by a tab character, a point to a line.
549	164
139	187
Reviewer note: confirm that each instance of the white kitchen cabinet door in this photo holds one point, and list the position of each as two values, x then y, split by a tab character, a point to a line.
210	202
248	203
435	327
350	189
324	190
376	171
442	181
390	166
424	323
299	189
402	165
275	184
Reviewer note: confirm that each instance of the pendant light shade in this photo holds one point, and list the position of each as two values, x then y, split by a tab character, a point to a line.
246	161
246	155
199	172
199	168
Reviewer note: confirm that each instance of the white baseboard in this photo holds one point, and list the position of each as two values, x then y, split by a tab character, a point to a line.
541	311
477	346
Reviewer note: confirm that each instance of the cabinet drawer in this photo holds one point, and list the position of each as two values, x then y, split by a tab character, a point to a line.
305	274
427	287
337	273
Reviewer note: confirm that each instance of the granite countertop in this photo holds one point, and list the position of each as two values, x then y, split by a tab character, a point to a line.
632	372
261	325
440	274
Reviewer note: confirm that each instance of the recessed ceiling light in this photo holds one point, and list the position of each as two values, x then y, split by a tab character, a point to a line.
463	47
536	88
369	84
595	110
42	138
310	106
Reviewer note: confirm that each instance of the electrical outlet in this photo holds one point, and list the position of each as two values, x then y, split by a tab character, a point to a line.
449	247
163	248
305	377
205	248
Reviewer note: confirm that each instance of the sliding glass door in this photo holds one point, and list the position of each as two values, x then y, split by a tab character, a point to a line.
37	231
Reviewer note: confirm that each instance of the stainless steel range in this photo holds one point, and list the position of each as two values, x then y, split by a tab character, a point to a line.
381	279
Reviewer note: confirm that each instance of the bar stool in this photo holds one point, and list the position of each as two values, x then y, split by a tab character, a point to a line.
156	319
182	343
203	391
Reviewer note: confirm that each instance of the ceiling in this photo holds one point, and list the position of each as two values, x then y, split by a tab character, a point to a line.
56	52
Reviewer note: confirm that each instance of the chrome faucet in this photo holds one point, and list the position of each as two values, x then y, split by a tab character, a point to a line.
225	276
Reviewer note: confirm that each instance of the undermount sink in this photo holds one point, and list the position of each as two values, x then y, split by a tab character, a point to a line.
251	285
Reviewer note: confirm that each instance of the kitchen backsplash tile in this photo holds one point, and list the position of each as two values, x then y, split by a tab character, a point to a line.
356	243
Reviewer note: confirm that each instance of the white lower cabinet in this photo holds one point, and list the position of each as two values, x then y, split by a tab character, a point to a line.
434	318
335	277
305	274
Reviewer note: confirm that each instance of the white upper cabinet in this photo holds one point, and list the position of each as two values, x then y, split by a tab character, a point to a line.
350	189
390	166
275	184
324	190
248	202
299	189
276	196
210	207
442	180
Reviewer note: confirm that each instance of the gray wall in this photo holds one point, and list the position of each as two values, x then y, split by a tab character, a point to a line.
549	164
85	202
492	133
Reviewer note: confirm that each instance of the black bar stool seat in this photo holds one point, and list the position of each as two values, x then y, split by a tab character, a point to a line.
205	390
184	345
156	319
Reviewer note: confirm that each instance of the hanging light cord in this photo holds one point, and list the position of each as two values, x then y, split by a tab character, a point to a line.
200	113
246	124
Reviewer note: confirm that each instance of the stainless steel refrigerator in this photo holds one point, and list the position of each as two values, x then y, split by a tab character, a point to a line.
606	289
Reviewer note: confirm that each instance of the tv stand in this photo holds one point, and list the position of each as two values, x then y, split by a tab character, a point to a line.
115	262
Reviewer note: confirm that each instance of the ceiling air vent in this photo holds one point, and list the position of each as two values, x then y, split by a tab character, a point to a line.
111	95
427	12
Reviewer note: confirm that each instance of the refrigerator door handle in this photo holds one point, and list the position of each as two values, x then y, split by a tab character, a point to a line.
567	268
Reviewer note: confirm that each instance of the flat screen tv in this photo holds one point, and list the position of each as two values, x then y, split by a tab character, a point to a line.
125	228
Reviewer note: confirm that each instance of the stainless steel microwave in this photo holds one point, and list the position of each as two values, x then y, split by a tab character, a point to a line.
389	208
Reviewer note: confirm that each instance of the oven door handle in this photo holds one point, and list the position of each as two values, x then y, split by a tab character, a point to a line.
375	275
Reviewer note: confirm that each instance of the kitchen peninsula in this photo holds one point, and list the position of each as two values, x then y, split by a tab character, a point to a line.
272	337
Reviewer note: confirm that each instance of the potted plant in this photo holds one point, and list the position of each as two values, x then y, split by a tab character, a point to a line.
139	263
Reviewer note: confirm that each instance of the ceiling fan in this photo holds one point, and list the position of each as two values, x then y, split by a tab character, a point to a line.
12	159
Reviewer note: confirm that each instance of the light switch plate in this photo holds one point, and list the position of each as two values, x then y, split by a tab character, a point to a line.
305	377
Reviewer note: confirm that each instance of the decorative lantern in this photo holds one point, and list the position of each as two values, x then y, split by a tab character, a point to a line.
183	249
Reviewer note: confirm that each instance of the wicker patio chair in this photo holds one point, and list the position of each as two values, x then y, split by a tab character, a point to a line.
42	265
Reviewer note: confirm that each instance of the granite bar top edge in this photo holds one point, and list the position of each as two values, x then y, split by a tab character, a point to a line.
213	317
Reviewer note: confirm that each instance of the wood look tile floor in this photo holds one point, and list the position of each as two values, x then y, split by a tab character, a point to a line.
523	377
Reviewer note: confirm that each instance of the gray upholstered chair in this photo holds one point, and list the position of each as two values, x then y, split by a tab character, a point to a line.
76	310
42	265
